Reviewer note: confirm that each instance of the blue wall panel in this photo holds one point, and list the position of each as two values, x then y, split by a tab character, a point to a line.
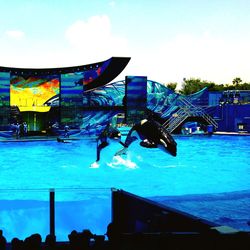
230	116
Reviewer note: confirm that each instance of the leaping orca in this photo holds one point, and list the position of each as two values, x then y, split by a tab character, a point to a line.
108	133
153	135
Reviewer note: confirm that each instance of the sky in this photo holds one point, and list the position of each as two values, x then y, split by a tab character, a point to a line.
167	40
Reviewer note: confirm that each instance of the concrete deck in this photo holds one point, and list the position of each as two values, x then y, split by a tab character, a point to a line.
231	133
45	138
124	133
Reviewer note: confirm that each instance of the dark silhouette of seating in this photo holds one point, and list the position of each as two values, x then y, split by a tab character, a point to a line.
2	241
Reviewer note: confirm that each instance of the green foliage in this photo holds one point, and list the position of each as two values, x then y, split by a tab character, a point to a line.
172	85
237	85
237	81
194	85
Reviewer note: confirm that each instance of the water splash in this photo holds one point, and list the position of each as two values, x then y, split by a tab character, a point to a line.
95	165
119	162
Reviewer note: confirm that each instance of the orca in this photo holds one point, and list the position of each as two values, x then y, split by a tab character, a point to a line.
105	137
153	135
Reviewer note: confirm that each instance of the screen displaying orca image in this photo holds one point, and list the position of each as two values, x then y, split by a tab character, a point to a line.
34	93
84	78
93	73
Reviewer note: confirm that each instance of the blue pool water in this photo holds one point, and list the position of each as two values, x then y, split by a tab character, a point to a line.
203	166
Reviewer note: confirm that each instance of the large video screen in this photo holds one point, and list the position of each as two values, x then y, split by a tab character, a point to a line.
135	98
34	93
136	95
71	89
4	89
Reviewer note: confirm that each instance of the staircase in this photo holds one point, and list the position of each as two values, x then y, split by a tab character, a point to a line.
15	113
187	109
176	119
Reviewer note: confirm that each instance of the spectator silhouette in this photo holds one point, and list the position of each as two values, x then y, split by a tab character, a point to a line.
80	241
33	242
2	241
73	240
85	237
50	242
99	243
66	131
25	128
17	130
17	244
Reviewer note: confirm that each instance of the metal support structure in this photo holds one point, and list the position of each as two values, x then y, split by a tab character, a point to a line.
52	212
187	109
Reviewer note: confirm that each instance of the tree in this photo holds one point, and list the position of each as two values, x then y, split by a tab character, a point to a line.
237	85
236	81
194	85
172	85
216	87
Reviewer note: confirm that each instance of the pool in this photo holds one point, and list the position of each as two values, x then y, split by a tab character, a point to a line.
203	166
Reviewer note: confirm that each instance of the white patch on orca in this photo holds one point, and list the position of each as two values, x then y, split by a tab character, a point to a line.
143	121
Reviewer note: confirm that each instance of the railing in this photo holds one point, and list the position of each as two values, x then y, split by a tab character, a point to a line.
186	110
54	211
174	121
198	111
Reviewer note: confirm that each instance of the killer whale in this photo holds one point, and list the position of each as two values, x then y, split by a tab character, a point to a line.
153	135
109	133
